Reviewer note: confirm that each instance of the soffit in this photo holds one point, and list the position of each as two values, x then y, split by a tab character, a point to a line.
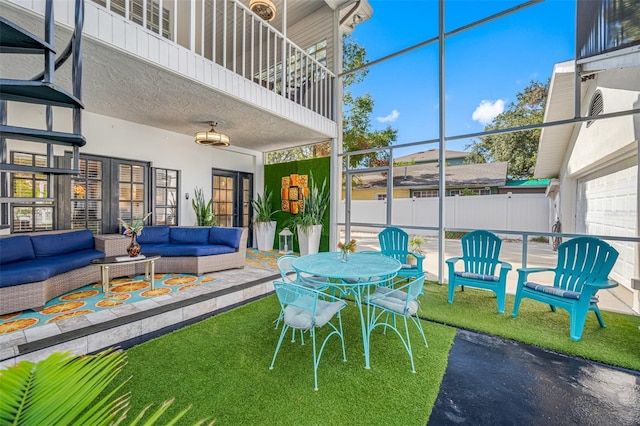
555	140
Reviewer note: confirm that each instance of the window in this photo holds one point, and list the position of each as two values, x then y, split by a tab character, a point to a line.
29	215
86	196
469	191
319	52
136	11
223	199
166	197
381	196
425	194
131	190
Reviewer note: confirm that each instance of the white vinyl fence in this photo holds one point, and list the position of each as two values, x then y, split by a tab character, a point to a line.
508	212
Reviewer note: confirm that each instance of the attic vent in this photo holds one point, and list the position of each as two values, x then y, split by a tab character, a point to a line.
596	107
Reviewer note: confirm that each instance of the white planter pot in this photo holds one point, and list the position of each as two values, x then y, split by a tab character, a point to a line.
309	243
265	235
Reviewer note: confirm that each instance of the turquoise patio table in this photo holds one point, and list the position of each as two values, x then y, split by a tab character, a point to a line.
355	277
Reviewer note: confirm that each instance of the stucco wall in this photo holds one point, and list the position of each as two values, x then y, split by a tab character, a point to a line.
604	148
112	137
603	141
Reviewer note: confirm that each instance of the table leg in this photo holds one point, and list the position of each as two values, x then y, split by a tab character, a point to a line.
357	293
153	274
150	272
105	280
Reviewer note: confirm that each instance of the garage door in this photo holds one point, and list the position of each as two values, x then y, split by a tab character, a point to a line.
607	205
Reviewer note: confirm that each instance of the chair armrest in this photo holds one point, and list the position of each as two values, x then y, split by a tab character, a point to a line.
534	270
524	272
452	260
416	255
505	265
601	285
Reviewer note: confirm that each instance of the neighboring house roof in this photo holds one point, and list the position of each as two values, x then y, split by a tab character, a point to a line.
520	183
420	176
430	155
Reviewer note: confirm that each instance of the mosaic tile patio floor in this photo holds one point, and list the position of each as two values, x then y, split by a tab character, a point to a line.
124	290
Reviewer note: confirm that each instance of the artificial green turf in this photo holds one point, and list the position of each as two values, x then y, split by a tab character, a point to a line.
618	344
220	367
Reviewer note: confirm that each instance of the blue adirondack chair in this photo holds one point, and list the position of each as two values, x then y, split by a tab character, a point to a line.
394	242
584	264
480	251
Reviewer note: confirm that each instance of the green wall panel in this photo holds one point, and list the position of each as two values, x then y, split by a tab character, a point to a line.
273	173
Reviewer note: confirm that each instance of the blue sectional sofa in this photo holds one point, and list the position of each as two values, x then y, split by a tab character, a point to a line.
194	250
36	268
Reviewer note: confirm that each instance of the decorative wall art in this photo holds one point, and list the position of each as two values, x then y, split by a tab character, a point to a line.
294	189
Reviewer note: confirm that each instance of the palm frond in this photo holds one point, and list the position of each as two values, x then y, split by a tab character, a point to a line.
59	389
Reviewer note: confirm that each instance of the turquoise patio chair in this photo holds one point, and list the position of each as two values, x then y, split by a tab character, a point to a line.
290	275
584	264
389	303
394	242
304	309
480	251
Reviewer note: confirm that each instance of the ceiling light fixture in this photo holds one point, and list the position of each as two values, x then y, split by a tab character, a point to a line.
264	9
211	137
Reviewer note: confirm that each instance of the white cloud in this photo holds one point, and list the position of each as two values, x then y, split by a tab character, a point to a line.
487	111
389	118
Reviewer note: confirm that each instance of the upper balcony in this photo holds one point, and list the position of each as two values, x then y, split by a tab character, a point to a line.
214	60
227	33
606	27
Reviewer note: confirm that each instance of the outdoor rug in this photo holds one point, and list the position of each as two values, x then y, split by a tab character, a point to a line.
124	290
90	298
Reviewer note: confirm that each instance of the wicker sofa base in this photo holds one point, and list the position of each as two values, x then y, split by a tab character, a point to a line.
199	265
34	295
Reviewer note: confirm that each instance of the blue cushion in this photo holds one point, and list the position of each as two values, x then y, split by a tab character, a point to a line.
189	235
16	249
68	262
39	269
225	236
154	235
174	250
477	276
63	243
24	272
557	291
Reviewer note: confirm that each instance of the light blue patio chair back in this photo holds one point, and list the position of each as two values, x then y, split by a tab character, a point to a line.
394	242
480	261
287	271
387	303
290	275
309	309
584	264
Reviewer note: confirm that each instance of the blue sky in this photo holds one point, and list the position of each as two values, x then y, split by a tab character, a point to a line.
485	67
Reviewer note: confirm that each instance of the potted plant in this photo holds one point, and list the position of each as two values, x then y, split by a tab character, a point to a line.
204	214
308	222
415	246
264	226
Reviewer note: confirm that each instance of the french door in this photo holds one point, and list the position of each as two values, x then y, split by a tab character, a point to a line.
106	189
231	194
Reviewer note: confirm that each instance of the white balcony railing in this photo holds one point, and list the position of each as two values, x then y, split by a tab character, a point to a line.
229	34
